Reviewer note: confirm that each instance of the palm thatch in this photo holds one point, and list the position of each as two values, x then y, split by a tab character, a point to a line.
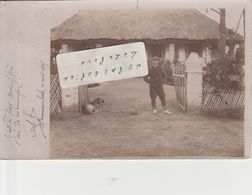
137	24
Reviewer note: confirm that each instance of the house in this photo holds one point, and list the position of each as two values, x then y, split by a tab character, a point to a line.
170	33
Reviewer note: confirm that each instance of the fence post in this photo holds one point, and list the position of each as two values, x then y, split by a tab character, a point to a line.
83	97
194	65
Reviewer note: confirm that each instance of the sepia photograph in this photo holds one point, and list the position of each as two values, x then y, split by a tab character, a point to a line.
125	96
171	86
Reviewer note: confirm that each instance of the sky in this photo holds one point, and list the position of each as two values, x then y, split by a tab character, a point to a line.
62	10
67	9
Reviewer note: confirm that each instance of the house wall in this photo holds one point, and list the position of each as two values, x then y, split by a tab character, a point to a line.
168	50
182	53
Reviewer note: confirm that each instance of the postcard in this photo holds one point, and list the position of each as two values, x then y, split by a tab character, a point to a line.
85	82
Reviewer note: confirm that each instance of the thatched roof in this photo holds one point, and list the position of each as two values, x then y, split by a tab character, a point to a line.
137	24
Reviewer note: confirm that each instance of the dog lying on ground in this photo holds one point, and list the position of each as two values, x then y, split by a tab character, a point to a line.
93	107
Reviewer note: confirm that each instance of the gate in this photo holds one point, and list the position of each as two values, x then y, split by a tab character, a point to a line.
179	79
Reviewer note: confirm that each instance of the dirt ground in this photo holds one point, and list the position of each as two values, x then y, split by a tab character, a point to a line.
126	128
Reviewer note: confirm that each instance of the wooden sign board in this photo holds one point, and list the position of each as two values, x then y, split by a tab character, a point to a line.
102	64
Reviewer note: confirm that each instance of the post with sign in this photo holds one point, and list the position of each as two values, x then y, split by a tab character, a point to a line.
81	68
83	97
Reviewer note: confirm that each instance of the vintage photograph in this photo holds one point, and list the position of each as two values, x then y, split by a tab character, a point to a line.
190	104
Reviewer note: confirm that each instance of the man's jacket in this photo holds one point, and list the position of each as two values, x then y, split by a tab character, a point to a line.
156	75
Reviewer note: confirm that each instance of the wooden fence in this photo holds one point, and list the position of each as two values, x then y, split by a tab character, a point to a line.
55	95
224	100
179	79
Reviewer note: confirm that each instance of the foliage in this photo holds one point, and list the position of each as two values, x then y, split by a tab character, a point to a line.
227	72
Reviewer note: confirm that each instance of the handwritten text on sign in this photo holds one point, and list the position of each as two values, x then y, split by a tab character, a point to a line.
102	64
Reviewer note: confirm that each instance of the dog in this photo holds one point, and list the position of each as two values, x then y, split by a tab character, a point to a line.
93	107
97	104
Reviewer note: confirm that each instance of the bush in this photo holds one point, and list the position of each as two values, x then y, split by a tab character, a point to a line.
226	73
